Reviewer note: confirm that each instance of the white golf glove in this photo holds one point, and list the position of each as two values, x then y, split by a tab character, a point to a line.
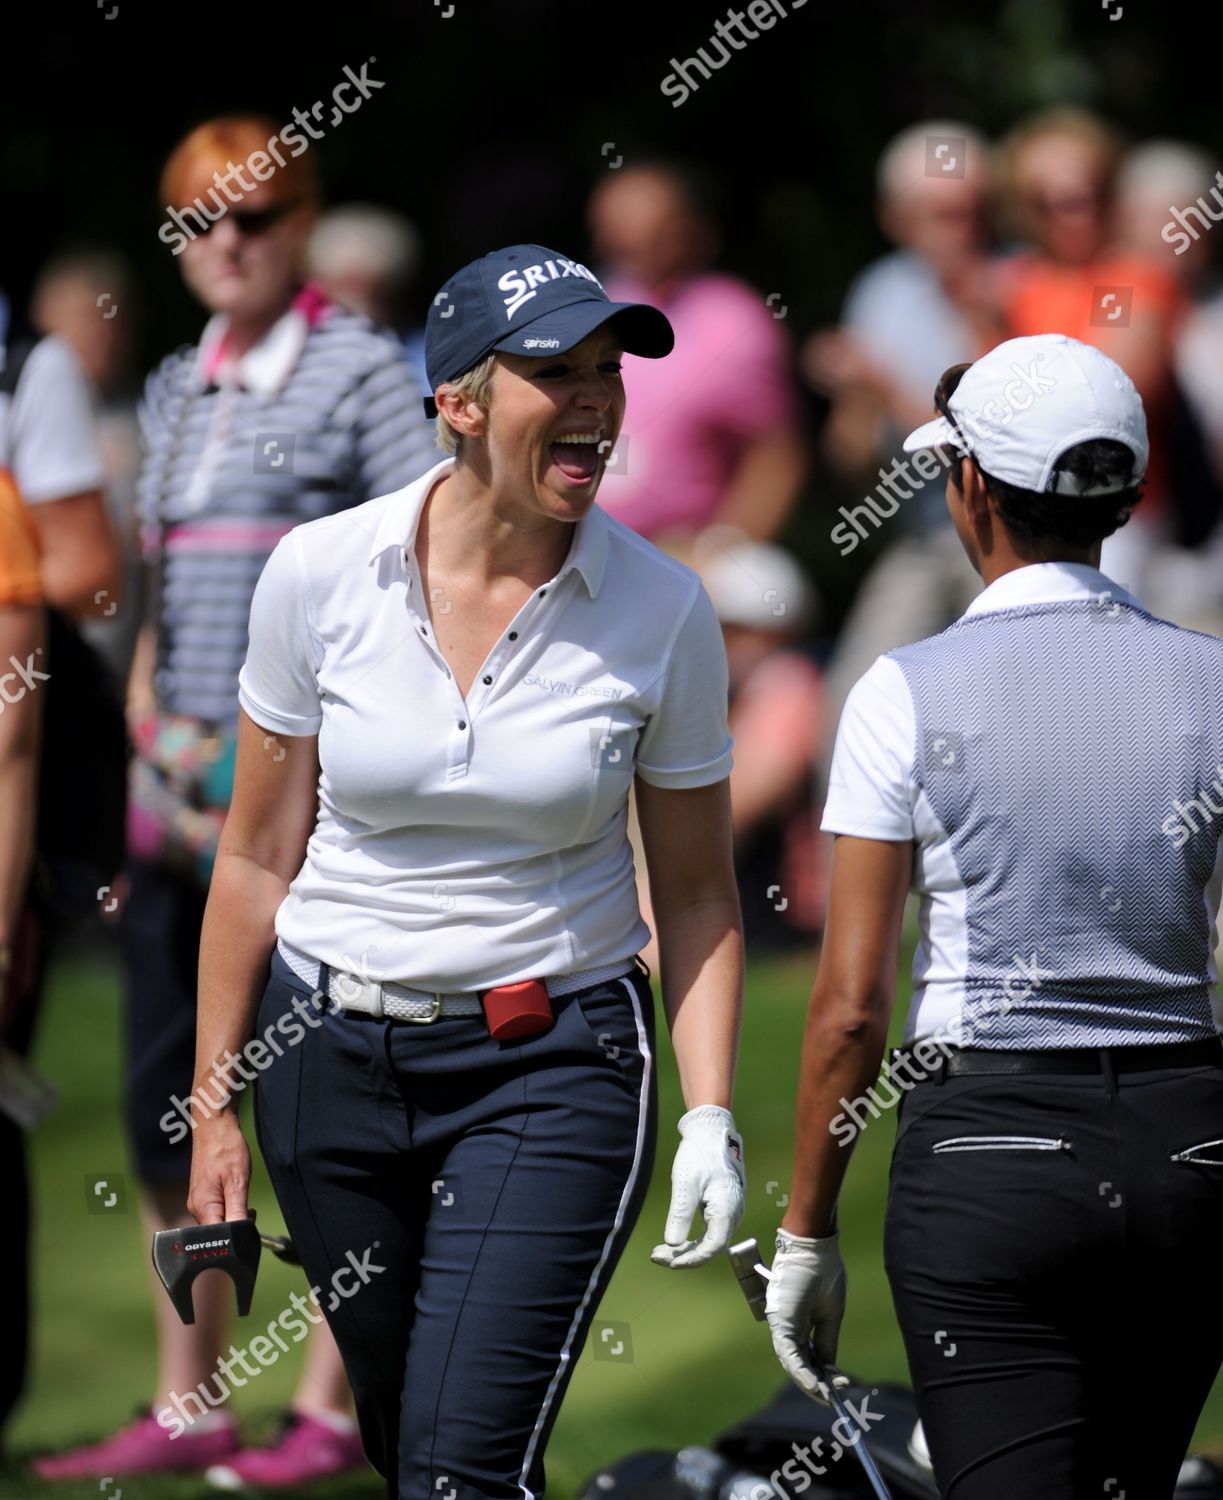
708	1173
806	1298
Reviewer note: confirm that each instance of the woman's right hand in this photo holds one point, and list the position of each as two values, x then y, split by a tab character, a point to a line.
220	1170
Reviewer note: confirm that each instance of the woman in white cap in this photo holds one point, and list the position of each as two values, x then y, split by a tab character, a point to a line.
1047	776
447	695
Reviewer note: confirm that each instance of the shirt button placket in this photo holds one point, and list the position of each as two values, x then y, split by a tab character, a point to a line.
460	739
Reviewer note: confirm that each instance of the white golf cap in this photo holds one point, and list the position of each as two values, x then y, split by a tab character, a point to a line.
1018	408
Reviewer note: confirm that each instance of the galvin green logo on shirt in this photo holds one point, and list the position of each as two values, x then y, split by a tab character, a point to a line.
570	689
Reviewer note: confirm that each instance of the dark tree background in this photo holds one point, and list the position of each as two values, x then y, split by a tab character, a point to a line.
494	119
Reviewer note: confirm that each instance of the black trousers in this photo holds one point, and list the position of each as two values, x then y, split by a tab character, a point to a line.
1060	1304
34	933
160	952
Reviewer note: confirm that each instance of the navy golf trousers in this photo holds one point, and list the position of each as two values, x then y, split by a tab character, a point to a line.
494	1186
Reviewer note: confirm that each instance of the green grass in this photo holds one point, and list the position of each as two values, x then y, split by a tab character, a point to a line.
699	1360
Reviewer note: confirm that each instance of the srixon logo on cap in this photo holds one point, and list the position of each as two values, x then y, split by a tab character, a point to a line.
522	285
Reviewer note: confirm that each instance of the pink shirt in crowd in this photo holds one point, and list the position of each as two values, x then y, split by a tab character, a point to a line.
690	416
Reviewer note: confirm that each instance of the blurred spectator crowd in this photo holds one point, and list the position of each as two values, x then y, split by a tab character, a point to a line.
133	512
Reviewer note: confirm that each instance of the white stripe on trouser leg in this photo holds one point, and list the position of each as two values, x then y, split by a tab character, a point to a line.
643	1046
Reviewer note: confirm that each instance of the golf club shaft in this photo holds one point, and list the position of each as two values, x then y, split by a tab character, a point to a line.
281	1247
851	1425
753	1277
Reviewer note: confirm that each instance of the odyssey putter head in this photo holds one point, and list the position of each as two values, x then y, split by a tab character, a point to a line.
179	1255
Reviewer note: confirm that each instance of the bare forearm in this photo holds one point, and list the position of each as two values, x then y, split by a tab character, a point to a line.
761	492
80	554
701	948
83	583
18	780
235	945
840	1060
22	634
141	691
761	785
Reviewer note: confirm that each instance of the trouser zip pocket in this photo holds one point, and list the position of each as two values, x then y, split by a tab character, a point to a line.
1190	1153
1000	1143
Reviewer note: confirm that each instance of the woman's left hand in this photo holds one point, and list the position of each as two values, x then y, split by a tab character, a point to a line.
803	1307
220	1170
708	1173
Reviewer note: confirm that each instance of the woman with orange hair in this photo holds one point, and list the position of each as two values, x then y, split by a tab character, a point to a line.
288	409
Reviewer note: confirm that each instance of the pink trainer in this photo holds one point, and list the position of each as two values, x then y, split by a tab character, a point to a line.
146	1447
304	1449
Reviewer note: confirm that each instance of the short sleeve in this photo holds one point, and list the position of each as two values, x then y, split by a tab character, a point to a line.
53	448
686	742
872	779
278	681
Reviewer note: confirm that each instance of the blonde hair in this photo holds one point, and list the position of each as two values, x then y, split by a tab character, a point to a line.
1097	138
475	386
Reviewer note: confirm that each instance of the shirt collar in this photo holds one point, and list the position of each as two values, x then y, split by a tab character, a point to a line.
400	518
266	366
1048	583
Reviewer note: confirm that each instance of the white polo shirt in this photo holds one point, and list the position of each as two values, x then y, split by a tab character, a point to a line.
1037	922
48	436
465	844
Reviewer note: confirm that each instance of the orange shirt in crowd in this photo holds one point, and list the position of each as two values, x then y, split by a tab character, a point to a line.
19	547
1122	304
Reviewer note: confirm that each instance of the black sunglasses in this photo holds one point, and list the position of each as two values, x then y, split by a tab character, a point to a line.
254	221
945	389
948	381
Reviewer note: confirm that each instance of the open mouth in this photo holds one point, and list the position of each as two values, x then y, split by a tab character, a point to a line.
577	455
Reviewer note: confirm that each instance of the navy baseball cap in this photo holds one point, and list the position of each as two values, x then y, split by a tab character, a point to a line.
528	300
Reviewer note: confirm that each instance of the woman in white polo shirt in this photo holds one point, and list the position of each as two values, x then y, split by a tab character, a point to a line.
1045	774
447	695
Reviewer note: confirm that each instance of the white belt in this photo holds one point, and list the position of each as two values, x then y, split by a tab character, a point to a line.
403	1002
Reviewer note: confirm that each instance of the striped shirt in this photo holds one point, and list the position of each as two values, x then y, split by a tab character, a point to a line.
323	413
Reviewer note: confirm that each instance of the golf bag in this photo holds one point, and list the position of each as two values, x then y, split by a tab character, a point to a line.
765	1447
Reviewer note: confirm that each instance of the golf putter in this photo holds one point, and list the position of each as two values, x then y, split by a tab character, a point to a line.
753	1278
282	1247
233	1246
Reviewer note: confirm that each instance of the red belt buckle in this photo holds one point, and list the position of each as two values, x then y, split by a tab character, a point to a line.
514	1010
